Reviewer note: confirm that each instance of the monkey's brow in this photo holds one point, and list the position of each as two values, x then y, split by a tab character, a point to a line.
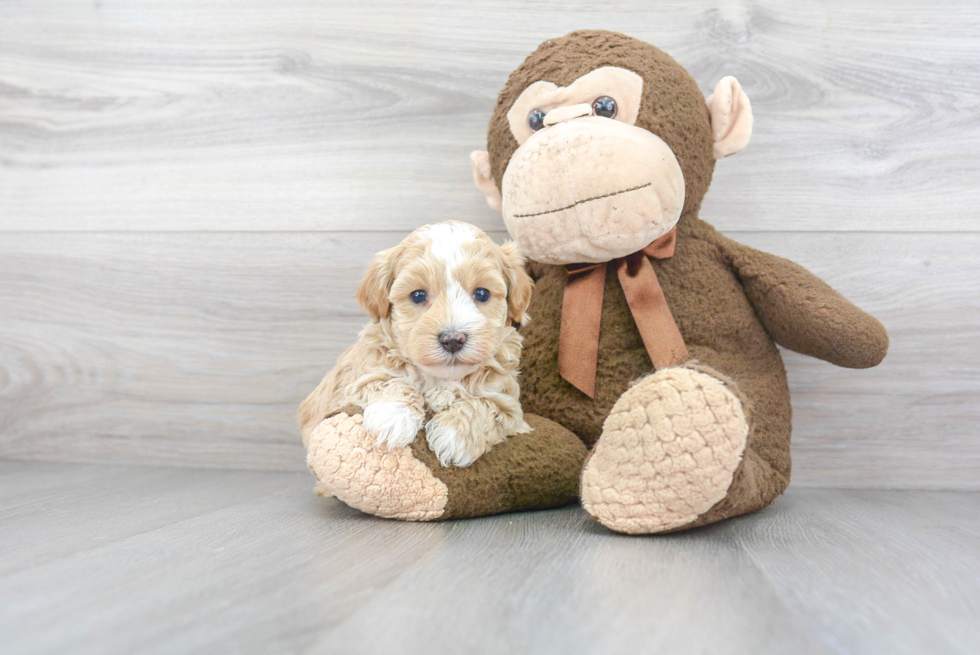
579	202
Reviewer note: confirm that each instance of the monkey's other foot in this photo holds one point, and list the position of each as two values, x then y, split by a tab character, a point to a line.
391	483
531	470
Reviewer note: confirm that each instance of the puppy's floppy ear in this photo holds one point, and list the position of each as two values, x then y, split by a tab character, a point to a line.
519	283
372	292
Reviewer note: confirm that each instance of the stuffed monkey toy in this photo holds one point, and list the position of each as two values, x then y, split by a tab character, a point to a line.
652	340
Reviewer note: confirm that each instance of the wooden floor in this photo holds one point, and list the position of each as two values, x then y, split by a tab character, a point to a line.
107	559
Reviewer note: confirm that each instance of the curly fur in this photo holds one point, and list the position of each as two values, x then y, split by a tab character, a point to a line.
469	401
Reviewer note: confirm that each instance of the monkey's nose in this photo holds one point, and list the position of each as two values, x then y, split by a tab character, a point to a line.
452	341
562	114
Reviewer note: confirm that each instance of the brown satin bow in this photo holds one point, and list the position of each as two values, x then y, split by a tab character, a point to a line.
581	313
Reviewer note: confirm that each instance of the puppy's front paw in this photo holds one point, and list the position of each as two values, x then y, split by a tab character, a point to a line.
392	424
454	440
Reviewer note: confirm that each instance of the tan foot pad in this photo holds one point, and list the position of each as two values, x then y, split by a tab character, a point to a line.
388	483
667	454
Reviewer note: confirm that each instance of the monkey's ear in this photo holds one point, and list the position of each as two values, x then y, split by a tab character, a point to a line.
480	159
372	292
731	117
519	283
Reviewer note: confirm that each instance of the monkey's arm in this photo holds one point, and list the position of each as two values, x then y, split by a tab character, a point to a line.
802	313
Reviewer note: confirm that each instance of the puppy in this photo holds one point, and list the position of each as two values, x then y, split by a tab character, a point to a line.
442	345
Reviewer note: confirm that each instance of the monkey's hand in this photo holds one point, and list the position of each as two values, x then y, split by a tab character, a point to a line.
802	313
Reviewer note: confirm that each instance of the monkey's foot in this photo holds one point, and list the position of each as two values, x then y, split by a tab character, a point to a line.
667	454
349	464
527	471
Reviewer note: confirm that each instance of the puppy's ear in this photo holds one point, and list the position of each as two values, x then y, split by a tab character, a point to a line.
372	292
519	283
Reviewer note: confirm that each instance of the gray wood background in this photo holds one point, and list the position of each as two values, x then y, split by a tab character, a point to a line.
190	190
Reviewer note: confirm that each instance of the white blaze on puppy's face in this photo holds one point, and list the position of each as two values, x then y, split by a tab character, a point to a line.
449	262
447	243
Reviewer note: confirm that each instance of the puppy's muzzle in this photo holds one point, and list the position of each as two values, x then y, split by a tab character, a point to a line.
451	341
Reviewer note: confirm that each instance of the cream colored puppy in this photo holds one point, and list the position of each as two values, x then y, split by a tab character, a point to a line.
442	345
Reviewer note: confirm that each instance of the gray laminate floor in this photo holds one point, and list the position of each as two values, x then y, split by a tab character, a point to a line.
108	559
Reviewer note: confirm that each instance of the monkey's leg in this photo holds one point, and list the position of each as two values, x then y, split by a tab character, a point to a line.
677	452
529	471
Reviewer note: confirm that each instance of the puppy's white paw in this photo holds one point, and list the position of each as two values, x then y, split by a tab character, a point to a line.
392	424
451	447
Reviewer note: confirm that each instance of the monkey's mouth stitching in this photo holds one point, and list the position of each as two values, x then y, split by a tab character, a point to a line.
579	202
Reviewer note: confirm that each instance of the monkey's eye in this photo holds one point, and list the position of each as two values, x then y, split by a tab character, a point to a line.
605	107
536	119
418	296
481	295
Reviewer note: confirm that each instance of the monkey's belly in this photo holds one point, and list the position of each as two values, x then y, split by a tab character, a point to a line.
622	359
745	354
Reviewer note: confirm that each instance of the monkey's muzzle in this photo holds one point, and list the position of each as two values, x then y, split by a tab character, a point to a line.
591	190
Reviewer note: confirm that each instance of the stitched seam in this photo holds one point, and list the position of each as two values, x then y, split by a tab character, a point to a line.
579	202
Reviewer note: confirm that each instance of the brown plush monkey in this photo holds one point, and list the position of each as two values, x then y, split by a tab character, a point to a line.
653	337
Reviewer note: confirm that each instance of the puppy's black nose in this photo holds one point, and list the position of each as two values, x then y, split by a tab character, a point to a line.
452	341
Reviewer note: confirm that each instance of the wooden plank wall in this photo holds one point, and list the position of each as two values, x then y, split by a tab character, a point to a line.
189	192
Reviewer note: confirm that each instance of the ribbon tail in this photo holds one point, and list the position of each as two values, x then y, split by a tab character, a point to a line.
578	339
647	303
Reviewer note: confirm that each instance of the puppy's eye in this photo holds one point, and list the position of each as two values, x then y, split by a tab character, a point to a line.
605	107
536	119
481	295
418	296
